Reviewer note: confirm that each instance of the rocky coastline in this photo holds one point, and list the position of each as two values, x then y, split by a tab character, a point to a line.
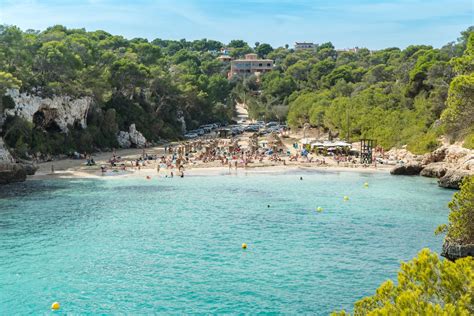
12	171
449	163
453	250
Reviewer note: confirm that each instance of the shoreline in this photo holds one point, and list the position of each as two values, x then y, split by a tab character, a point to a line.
75	169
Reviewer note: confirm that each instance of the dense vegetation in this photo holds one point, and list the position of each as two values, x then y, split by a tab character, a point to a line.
461	218
394	96
425	286
397	97
131	81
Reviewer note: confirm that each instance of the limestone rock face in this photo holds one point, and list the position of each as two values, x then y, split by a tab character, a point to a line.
453	251
453	177
30	167
468	162
57	112
410	169
9	170
5	156
123	138
132	138
434	170
182	121
436	156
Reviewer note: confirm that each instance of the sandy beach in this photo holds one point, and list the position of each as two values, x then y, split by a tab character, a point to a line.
77	168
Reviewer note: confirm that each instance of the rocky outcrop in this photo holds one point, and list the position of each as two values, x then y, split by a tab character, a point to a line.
132	138
453	178
449	163
434	170
410	169
57	112
9	170
436	156
10	173
30	167
182	121
453	251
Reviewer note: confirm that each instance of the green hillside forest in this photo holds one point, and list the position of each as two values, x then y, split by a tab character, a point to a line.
397	96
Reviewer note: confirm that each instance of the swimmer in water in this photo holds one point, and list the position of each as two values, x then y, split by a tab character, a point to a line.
301	178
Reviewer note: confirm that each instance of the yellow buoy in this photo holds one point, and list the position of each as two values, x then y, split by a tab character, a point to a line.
366	184
244	246
319	209
55	306
346	198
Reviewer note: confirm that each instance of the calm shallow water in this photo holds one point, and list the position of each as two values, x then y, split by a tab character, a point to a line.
174	245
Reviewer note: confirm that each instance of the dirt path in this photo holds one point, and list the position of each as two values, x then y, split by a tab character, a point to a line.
242	113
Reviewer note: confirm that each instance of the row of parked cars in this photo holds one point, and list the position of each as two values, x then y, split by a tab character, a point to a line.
203	129
259	127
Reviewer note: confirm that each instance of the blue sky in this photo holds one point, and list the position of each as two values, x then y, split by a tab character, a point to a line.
367	23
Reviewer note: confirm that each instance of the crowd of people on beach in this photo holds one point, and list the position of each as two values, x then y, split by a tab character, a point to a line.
174	161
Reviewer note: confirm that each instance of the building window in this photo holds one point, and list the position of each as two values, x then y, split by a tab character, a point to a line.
260	65
269	65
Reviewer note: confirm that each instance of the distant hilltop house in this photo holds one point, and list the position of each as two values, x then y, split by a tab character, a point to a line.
225	58
250	65
226	50
352	50
304	45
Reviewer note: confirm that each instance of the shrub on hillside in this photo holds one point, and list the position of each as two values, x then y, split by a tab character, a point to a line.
461	218
426	285
424	143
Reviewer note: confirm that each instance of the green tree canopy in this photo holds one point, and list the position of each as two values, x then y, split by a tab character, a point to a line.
425	285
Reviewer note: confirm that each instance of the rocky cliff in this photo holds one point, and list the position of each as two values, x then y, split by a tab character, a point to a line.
9	170
56	112
132	138
454	251
449	163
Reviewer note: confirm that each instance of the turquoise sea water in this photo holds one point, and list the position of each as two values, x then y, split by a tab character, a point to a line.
174	245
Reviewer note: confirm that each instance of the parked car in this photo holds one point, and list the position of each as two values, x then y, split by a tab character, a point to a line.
273	129
200	131
270	124
252	128
191	135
